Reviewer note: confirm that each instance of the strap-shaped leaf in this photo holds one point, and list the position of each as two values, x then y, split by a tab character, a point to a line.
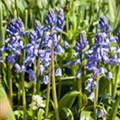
68	99
114	109
66	114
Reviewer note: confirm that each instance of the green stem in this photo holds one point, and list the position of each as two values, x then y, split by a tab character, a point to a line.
109	92
67	24
59	88
79	88
34	84
34	89
26	19
23	96
23	87
54	84
115	83
38	75
1	19
3	36
47	100
9	74
96	91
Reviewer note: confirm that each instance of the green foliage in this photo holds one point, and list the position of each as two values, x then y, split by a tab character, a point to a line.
68	99
113	112
66	114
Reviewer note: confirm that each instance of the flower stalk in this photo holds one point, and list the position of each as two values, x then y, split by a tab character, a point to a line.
9	77
115	83
23	96
96	91
53	84
47	99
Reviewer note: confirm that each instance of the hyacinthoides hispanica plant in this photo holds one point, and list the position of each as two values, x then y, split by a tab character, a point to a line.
105	54
15	47
79	48
51	43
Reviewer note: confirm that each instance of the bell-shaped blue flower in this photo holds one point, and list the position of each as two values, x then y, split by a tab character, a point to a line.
109	75
58	72
91	96
32	76
45	79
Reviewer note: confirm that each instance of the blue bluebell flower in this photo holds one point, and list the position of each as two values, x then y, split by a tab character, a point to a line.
60	19
79	74
66	44
32	76
1	59
50	19
91	96
42	69
94	85
101	113
59	50
91	84
118	37
109	75
11	58
103	25
101	71
69	64
81	42
38	29
58	72
45	79
78	61
88	87
17	67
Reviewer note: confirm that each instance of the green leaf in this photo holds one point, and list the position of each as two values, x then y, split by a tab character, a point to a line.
66	114
7	4
68	99
4	65
86	115
40	114
114	109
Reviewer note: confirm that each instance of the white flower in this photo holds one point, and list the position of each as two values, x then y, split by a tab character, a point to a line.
37	102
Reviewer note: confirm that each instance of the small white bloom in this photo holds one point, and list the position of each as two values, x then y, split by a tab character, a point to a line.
37	102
